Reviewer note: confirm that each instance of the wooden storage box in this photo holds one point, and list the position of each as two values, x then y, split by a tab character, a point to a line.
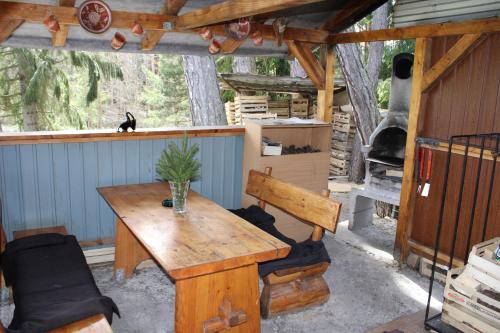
308	170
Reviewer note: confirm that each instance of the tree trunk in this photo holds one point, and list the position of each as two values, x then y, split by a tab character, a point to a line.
376	49
245	65
362	85
203	88
296	69
29	112
360	90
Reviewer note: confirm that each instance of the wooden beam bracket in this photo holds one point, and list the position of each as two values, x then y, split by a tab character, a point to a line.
454	55
309	62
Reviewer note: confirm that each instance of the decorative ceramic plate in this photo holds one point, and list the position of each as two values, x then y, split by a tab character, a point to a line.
238	30
94	16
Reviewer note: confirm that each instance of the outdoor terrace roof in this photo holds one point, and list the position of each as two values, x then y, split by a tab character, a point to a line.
333	15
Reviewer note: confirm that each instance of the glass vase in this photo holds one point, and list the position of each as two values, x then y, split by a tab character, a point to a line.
179	192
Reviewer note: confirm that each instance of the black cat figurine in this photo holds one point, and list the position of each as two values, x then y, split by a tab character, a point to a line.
130	123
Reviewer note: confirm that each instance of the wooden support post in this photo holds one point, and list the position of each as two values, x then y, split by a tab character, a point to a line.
59	38
325	97
408	186
456	53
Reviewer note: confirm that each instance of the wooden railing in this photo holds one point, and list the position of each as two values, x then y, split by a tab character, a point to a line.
50	178
112	135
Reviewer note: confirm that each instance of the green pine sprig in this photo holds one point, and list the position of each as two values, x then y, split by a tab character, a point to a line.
178	164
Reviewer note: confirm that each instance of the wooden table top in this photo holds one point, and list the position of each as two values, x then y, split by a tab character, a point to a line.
207	239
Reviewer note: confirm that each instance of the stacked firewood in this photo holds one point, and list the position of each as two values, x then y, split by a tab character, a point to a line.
344	130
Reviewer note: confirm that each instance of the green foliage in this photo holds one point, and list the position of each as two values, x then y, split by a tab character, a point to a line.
38	80
391	49
383	93
164	93
272	66
178	164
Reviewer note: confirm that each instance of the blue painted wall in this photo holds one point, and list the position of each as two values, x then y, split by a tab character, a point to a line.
45	185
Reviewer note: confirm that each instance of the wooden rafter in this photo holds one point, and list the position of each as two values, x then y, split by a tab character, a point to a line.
348	15
59	38
419	31
37	13
152	37
230	45
457	52
231	10
7	27
309	62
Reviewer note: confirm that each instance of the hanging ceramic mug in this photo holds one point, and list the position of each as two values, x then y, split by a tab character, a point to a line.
137	29
214	46
118	41
206	33
52	24
257	38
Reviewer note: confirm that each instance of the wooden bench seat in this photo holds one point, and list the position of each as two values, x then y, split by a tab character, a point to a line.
298	287
94	324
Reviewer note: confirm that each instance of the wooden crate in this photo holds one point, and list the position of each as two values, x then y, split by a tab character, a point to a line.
299	108
344	146
482	257
248	104
339	163
465	320
336	171
281	108
340	154
462	289
257	116
345	128
343	117
230	113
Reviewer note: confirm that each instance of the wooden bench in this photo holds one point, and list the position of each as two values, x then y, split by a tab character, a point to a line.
299	287
94	324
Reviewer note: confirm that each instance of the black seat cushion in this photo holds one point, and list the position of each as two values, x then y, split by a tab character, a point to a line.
304	253
52	284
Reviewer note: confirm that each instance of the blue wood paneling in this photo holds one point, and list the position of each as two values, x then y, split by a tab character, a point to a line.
45	185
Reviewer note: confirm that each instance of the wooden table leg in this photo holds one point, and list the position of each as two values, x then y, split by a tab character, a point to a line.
129	252
227	300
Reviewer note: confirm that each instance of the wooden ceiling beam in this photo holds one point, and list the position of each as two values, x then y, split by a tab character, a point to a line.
152	37
456	53
309	62
231	10
419	31
59	38
37	13
7	27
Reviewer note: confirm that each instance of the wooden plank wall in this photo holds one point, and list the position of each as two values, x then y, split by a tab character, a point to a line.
55	184
466	101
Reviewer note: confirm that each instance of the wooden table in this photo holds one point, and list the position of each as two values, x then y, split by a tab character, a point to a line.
210	253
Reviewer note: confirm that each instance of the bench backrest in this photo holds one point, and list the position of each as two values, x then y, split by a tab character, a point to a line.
301	203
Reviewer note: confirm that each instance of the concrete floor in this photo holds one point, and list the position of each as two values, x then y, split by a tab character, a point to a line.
368	289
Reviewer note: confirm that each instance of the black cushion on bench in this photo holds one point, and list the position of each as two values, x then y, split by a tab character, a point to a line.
304	253
51	283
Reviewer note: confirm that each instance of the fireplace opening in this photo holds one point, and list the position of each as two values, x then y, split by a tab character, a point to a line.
388	147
